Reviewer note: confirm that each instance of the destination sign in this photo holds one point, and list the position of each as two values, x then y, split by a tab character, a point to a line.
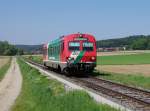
80	38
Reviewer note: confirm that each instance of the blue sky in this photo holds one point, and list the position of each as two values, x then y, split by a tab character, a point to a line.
39	21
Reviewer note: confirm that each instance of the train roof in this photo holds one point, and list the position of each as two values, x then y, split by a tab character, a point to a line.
68	36
76	35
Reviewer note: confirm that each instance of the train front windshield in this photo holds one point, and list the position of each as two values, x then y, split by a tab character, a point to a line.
87	46
74	46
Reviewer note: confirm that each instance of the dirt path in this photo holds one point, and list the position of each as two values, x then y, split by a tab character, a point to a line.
10	86
126	69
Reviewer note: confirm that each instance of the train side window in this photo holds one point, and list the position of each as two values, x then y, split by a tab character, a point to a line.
50	50
59	48
54	50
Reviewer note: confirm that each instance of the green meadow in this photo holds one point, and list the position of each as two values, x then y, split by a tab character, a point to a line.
124	59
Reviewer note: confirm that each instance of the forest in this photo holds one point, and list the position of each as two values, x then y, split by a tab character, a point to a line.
7	49
137	42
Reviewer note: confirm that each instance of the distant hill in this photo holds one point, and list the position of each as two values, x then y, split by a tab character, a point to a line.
137	42
30	48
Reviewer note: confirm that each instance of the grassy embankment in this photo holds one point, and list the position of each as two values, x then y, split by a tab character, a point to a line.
42	94
35	58
4	69
124	59
127	79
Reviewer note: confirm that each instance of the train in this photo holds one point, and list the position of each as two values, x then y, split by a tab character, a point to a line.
71	53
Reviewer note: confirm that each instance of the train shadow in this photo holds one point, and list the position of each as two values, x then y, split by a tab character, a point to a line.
100	73
95	73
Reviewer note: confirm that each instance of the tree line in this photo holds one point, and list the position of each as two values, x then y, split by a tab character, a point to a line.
8	49
137	42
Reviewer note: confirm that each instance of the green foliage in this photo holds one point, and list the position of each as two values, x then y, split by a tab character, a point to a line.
41	94
148	45
20	52
124	59
7	49
139	42
36	58
127	79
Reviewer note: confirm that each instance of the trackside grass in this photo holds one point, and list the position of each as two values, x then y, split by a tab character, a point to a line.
37	58
124	59
42	94
131	80
4	69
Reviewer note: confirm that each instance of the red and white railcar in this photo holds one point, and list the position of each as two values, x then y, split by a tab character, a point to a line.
71	53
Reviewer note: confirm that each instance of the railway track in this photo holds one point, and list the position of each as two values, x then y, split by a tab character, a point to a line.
133	98
136	99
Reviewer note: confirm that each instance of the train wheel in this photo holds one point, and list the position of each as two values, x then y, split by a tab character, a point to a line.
59	69
66	71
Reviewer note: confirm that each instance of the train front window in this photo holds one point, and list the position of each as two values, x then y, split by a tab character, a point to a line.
74	46
87	46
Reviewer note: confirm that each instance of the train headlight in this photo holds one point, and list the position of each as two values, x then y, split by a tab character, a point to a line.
93	58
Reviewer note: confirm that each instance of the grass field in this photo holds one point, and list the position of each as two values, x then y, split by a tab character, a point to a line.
41	94
128	79
5	64
124	59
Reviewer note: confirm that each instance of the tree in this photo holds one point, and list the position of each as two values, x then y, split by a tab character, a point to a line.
140	44
137	42
7	49
20	52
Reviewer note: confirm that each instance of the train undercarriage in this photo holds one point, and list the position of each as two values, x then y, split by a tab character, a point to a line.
71	68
